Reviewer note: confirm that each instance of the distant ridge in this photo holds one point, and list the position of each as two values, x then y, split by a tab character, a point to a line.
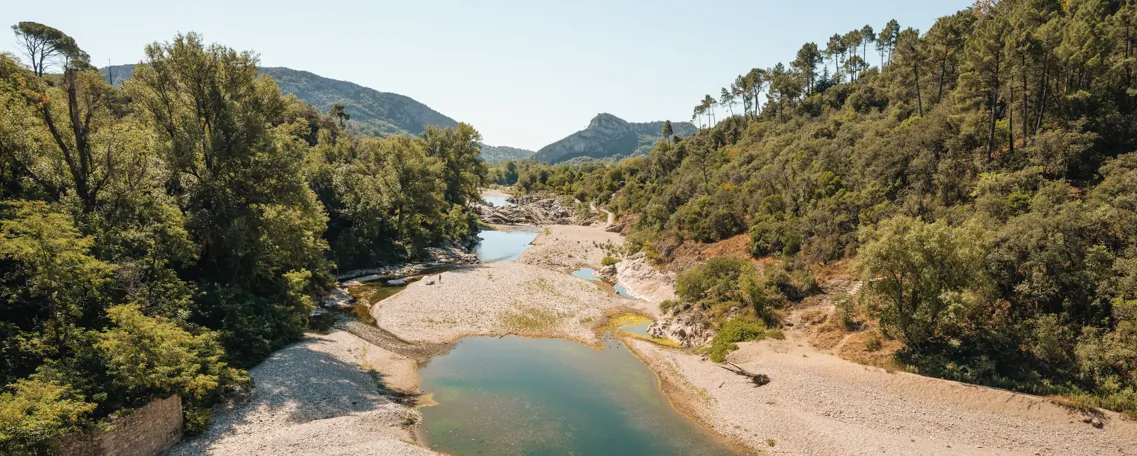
608	136
372	112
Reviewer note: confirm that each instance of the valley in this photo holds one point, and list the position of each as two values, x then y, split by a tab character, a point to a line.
916	235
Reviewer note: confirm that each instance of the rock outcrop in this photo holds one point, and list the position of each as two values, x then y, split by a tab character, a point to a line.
643	281
610	136
689	328
437	257
528	210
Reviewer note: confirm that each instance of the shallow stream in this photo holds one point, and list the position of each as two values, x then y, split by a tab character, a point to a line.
521	396
514	395
497	201
503	245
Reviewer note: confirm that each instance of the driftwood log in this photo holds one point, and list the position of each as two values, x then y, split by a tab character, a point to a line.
756	379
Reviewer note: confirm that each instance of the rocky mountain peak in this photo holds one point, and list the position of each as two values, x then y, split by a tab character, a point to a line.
605	120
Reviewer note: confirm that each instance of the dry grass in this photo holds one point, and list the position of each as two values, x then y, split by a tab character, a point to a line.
528	320
872	349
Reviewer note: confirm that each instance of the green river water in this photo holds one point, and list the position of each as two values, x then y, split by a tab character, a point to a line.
522	396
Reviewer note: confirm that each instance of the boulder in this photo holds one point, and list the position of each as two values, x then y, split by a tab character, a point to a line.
337	299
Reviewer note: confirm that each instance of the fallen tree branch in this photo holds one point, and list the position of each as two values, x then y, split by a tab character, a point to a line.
757	379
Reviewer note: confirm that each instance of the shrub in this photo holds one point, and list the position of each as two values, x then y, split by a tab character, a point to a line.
33	413
733	331
717	280
608	260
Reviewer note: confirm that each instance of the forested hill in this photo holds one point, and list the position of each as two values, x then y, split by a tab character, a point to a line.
980	176
608	136
502	154
372	112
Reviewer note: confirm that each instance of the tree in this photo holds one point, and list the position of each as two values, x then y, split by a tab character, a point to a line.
755	81
338	112
667	132
854	65
91	158
886	41
459	150
851	41
983	70
867	36
150	357
51	286
43	44
910	55
808	57
834	49
249	208
727	99
738	90
921	272
709	104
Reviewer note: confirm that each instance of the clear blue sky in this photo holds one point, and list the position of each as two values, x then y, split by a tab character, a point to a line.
525	73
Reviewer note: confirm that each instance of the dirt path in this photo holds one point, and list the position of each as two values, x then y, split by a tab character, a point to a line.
611	217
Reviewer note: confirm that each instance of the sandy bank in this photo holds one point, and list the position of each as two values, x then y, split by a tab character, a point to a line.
495	192
566	248
818	404
320	396
498	299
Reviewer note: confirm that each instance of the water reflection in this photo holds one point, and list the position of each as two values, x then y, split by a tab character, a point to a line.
497	201
503	245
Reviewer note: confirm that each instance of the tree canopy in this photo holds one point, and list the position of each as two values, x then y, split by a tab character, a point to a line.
160	237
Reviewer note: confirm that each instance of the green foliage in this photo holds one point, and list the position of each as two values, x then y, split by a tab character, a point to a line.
494	155
34	413
147	356
154	236
991	209
608	260
716	281
733	331
920	272
371	112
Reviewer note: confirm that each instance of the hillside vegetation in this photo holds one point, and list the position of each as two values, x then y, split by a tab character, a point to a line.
982	178
502	154
371	112
159	237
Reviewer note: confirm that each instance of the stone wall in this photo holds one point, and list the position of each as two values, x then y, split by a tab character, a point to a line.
147	431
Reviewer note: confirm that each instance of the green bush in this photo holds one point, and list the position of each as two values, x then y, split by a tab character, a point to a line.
717	280
733	331
608	260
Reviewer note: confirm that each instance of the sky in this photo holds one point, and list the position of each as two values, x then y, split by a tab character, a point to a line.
524	73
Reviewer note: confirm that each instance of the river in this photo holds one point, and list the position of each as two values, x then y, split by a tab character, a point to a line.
523	396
